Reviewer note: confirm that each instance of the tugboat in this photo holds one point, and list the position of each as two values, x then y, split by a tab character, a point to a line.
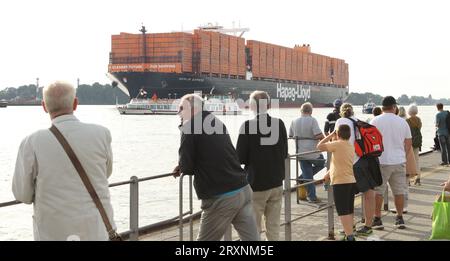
368	107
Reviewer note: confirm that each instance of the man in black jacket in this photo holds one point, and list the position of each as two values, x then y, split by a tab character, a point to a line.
262	147
207	153
332	117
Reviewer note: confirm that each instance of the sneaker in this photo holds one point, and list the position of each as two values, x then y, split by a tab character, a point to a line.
399	223
364	231
349	238
443	164
377	224
315	201
417	182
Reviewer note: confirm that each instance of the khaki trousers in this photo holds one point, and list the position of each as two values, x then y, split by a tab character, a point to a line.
268	204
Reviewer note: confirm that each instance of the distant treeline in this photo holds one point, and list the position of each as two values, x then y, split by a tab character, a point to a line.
99	94
95	94
361	98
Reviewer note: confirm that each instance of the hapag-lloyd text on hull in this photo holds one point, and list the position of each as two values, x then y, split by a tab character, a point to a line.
293	93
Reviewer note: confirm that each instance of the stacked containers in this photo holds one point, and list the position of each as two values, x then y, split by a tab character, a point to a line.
233	58
263	59
276	62
270	61
201	52
164	52
289	64
294	74
212	52
215	52
282	63
241	57
224	54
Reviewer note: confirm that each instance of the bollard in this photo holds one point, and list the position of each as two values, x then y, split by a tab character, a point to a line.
134	208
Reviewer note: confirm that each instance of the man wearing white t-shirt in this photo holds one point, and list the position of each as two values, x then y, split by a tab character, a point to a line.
397	141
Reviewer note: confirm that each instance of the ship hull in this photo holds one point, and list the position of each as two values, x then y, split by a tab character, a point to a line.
175	85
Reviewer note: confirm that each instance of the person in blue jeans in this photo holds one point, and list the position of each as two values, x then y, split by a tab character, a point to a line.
443	134
307	133
309	169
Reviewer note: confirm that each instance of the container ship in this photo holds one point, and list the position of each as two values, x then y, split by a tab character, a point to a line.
209	60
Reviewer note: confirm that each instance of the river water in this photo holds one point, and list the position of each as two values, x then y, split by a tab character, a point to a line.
142	146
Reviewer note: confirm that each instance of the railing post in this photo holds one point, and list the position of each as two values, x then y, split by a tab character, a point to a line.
181	208
134	208
386	199
296	177
191	210
287	199
330	204
363	206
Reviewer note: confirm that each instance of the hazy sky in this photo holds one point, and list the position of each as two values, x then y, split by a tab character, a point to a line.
392	47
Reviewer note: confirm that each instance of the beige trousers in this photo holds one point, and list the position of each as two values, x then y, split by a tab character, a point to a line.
268	204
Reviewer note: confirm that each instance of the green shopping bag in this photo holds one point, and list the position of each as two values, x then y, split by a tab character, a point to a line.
441	218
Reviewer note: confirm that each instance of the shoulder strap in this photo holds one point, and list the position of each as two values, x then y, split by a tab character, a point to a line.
87	183
354	125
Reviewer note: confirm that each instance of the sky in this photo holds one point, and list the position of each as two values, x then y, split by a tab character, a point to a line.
393	47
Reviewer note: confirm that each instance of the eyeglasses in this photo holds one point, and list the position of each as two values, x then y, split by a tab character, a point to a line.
180	109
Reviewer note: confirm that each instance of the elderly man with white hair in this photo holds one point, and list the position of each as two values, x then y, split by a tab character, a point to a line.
45	175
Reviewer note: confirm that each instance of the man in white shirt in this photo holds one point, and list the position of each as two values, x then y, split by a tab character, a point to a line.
45	176
397	141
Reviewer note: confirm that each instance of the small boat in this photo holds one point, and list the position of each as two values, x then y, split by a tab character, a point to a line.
222	105
139	106
368	107
218	105
3	104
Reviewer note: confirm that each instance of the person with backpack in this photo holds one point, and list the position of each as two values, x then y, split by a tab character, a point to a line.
366	169
397	142
415	124
442	125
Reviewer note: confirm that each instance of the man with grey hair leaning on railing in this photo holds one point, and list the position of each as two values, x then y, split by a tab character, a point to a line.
45	176
206	152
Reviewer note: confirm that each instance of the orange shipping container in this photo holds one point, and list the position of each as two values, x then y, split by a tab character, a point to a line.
289	64
282	63
263	59
294	73
276	62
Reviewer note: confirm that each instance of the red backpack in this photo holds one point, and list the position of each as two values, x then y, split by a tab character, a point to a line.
369	142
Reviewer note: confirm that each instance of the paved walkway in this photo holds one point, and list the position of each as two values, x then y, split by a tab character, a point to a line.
315	227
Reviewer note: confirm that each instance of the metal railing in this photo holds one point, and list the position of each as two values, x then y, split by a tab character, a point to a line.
134	229
287	196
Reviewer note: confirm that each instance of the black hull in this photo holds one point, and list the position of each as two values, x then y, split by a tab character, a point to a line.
171	85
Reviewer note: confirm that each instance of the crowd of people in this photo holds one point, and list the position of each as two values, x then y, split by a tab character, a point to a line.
63	170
